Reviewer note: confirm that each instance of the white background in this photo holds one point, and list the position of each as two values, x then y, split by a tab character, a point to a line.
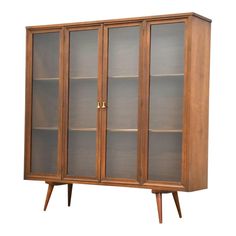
98	210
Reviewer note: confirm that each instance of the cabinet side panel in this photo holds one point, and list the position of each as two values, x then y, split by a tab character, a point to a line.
197	145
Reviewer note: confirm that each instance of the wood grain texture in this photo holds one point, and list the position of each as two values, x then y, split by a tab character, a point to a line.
177	204
198	100
104	98
28	102
99	99
159	206
140	102
158	194
65	117
127	20
48	196
195	107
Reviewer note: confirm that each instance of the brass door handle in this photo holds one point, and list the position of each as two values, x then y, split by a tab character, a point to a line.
98	105
103	105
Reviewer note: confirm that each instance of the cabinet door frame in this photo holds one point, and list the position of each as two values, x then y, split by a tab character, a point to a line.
165	184
29	103
65	176
104	179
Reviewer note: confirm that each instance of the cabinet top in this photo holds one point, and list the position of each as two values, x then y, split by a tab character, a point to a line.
122	20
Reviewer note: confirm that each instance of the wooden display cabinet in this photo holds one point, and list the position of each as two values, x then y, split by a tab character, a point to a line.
119	102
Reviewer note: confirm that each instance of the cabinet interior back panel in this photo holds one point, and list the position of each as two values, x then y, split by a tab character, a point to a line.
45	103
123	51
82	153
121	155
84	53
83	103
122	103
46	55
44	151
167	48
165	153
166	102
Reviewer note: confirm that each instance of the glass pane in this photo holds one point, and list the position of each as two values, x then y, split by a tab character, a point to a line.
165	156
122	115
44	151
45	107
166	102
46	55
121	155
123	104
45	103
167	44
82	153
83	103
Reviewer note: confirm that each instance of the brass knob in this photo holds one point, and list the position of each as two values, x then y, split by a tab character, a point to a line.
103	105
98	105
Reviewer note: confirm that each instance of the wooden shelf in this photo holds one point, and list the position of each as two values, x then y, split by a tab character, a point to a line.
110	130
122	130
115	130
82	129
123	77
137	76
83	78
46	79
167	75
45	128
166	130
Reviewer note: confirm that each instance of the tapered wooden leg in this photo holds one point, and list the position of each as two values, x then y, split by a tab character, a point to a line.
176	199
70	186
50	189
159	206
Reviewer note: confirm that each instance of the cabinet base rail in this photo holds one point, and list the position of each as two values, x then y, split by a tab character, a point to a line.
157	193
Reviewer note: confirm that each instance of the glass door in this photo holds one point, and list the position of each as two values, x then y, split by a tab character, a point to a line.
83	84
121	96
166	101
46	104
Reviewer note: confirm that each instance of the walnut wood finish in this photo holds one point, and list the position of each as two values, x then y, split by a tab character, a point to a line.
49	193
159	203
192	173
197	102
176	199
70	186
128	20
159	206
50	189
